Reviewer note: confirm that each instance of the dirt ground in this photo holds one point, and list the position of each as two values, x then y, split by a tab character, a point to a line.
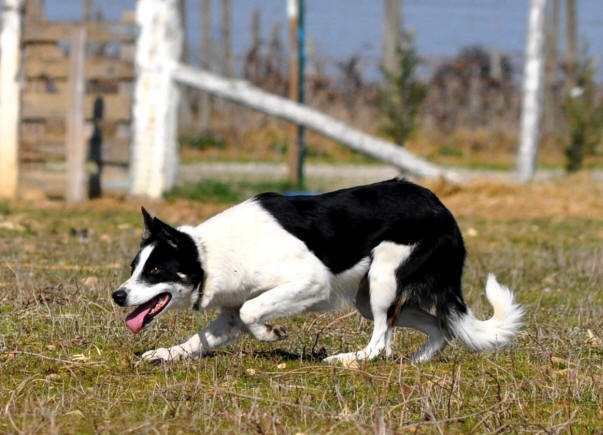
577	196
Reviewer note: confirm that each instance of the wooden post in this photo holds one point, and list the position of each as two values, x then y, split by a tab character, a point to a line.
255	28
154	158
311	62
531	106
34	12
205	34
226	54
293	17
227	39
74	118
273	63
391	35
10	93
205	100
495	63
182	12
87	13
550	74
296	147
253	60
571	35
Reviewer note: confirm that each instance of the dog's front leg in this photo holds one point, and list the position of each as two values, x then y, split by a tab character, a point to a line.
223	330
281	301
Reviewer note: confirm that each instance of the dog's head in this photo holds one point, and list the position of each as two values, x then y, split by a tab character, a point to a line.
166	273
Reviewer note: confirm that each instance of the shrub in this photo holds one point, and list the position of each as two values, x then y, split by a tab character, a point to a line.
400	98
584	117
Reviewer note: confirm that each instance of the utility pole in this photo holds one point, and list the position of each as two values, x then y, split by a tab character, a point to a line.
531	106
297	63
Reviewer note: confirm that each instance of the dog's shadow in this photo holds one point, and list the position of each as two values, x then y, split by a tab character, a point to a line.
284	355
273	354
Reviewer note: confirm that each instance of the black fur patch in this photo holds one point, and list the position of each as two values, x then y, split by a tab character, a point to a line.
342	227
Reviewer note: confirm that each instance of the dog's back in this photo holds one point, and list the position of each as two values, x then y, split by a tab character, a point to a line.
344	226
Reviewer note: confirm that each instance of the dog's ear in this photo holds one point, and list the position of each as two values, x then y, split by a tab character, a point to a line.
166	233
148	225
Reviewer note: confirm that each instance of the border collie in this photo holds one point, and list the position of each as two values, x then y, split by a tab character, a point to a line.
391	249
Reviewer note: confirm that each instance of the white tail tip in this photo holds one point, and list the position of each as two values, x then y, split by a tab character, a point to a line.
497	331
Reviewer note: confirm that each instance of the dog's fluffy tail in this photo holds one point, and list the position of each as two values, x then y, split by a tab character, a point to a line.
498	330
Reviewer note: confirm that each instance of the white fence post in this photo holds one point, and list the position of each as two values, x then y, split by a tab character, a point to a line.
531	106
10	98
75	118
154	156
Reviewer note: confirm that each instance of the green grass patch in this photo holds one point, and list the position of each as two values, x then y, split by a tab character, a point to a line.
202	141
213	191
4	208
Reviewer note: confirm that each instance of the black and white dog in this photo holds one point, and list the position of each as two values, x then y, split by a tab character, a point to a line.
391	249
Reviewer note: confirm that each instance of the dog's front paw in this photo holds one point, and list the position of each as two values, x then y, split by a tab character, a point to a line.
277	331
160	355
342	358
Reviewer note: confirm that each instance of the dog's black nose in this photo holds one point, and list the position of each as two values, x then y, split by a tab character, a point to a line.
119	296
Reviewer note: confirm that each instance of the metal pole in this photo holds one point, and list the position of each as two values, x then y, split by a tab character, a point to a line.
301	43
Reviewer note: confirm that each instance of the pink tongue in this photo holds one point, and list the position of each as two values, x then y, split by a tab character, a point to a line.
135	320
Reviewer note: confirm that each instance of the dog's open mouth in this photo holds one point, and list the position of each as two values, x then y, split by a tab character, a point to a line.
144	314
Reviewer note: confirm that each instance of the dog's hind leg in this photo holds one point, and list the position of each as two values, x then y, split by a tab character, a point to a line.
408	317
382	293
426	323
223	330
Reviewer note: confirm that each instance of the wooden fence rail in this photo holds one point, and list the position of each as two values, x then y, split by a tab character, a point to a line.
242	92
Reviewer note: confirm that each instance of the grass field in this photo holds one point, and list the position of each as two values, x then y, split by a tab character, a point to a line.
68	364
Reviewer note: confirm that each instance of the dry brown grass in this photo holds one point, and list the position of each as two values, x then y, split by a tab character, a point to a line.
575	196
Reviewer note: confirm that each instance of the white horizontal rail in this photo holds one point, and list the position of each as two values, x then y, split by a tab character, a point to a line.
240	91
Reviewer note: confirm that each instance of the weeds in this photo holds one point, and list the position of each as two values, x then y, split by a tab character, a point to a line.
584	117
400	98
225	193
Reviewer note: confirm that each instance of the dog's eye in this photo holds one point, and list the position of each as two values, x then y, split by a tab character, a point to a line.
154	271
